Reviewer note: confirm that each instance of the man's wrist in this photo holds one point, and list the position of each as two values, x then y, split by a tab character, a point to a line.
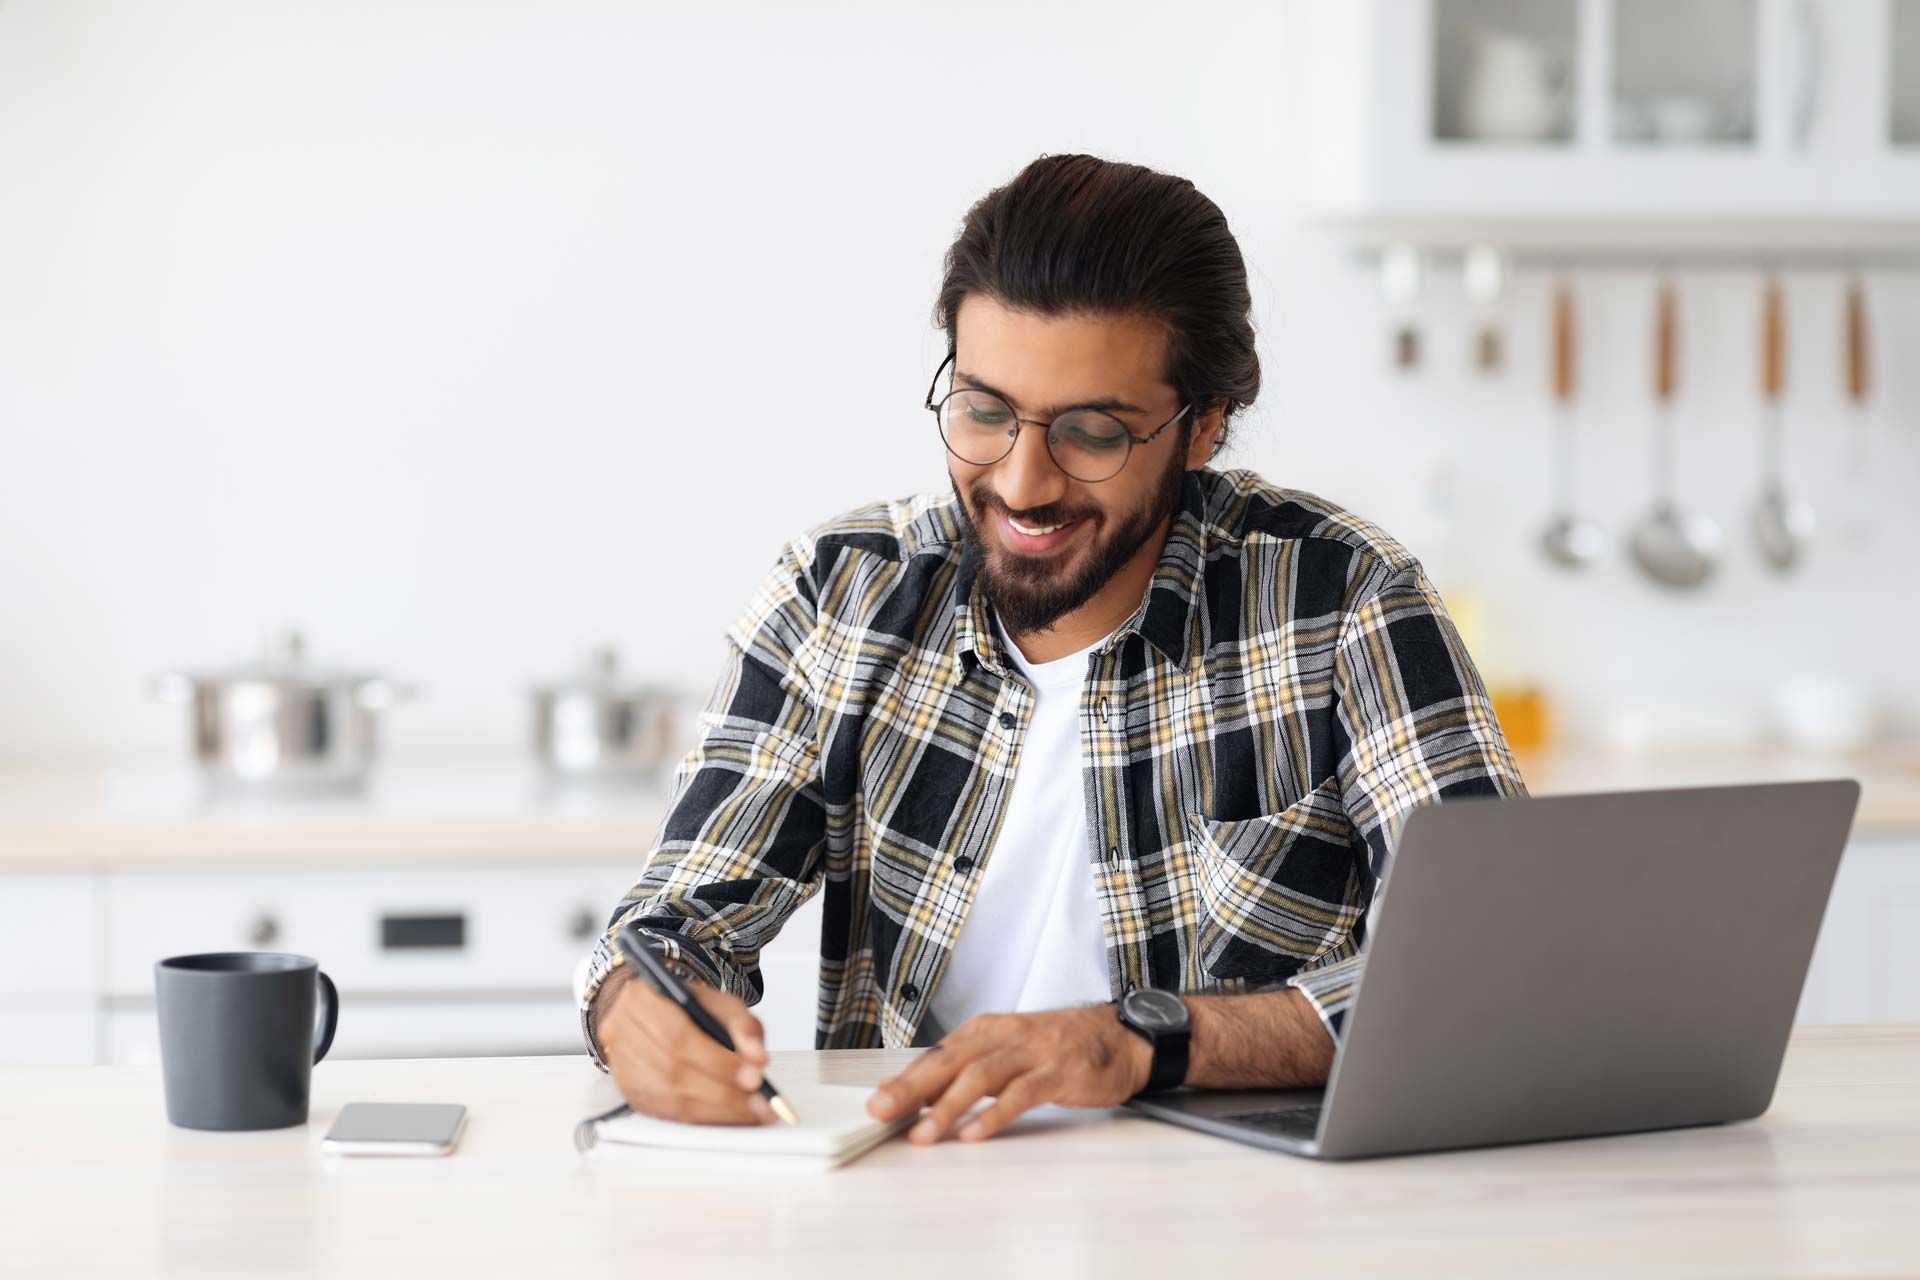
1267	1039
603	999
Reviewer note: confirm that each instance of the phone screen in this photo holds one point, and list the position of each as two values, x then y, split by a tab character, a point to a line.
414	1123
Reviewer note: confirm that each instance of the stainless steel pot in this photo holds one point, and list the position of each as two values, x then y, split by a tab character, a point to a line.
597	724
282	721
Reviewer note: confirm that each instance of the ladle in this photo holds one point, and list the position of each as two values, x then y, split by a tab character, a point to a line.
1673	547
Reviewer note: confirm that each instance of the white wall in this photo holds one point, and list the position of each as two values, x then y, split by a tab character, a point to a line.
467	334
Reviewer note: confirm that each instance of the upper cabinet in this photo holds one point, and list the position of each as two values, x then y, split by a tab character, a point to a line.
1690	110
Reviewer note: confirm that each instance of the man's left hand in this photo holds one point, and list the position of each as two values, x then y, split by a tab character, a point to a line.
1075	1057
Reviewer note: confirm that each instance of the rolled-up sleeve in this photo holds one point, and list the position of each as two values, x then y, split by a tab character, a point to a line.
1415	726
739	847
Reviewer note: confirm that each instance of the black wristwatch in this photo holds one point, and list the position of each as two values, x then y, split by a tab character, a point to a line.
1160	1018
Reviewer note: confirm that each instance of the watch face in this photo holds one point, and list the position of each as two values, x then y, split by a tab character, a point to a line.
1156	1010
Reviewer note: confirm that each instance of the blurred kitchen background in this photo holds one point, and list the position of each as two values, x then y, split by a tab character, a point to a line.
472	341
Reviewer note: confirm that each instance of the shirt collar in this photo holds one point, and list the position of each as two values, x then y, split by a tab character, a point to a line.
1165	618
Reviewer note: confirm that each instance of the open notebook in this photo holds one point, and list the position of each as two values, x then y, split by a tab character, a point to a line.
834	1128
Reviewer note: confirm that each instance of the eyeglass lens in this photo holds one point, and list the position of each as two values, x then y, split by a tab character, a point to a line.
1087	444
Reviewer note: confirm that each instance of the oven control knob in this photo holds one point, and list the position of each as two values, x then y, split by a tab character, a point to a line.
264	931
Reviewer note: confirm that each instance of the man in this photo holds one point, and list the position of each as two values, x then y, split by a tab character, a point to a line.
1099	759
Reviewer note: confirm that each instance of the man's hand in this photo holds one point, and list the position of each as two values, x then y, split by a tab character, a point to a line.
1076	1057
667	1067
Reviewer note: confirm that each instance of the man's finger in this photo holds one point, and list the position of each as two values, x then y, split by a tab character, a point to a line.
1020	1094
749	1037
700	1100
658	1089
930	1073
975	1081
674	1035
921	1082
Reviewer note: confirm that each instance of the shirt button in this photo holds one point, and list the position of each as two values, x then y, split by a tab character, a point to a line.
963	864
1006	720
909	992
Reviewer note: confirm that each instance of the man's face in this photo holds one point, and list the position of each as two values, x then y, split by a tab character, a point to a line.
1041	366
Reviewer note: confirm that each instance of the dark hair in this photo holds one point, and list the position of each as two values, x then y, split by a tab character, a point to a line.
1076	234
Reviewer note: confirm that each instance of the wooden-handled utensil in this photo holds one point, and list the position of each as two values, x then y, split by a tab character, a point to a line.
1782	523
1673	548
1568	541
1857	373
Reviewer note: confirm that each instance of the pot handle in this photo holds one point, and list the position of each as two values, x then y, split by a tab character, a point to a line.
172	688
379	693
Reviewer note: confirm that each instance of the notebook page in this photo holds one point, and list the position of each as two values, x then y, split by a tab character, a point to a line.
833	1121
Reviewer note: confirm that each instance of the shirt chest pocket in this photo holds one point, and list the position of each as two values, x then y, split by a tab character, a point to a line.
1276	890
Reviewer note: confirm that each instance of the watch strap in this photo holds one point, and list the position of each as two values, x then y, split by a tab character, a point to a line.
1169	1061
1171	1048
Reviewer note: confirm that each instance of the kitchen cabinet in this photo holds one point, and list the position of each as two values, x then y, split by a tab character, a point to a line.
441	960
450	904
1731	115
50	946
790	965
453	912
78	985
1866	966
49	966
436	960
389	1026
376	930
56	1034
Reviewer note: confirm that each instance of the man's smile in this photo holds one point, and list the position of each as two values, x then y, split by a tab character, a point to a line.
1035	540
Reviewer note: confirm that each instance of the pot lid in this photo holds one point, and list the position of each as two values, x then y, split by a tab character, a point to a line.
599	674
283	660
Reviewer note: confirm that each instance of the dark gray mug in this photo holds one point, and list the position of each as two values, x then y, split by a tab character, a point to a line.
238	1038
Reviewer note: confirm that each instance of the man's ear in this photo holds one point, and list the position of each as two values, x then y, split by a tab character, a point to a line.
1204	440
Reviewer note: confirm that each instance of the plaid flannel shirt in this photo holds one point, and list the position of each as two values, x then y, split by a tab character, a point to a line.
1289	687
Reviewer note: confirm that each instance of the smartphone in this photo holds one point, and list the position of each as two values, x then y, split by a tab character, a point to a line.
396	1129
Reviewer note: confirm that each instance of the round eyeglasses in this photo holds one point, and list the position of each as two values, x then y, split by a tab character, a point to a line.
980	428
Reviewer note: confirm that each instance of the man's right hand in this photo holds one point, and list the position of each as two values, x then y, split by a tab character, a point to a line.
667	1067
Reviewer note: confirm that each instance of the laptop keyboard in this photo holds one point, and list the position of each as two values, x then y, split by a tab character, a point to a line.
1289	1122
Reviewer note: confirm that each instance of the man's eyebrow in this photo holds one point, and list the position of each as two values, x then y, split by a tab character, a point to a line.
1110	404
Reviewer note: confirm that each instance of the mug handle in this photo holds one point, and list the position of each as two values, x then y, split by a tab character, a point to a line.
330	1011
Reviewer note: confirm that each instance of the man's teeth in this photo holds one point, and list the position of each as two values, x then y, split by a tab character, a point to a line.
1035	533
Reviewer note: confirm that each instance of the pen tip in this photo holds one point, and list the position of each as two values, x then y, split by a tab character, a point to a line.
785	1112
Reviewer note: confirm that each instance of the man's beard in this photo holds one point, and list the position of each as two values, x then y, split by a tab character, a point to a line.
1031	593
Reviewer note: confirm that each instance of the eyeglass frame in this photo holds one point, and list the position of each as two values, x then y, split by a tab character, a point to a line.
1013	436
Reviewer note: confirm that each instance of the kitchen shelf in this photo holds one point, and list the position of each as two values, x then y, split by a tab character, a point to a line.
1652	256
1730	119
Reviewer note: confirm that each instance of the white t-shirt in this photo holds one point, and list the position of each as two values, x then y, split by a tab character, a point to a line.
1032	938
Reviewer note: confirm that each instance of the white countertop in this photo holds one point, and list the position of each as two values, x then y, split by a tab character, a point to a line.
1889	777
95	1182
133	816
145	816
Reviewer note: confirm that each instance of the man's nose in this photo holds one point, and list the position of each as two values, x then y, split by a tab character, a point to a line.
1028	478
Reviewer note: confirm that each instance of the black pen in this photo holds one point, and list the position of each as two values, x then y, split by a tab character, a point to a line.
644	963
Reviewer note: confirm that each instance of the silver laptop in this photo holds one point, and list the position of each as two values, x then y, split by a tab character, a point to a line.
1566	966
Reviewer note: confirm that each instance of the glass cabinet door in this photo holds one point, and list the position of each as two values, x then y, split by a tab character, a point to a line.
1684	73
1505	71
1903	74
